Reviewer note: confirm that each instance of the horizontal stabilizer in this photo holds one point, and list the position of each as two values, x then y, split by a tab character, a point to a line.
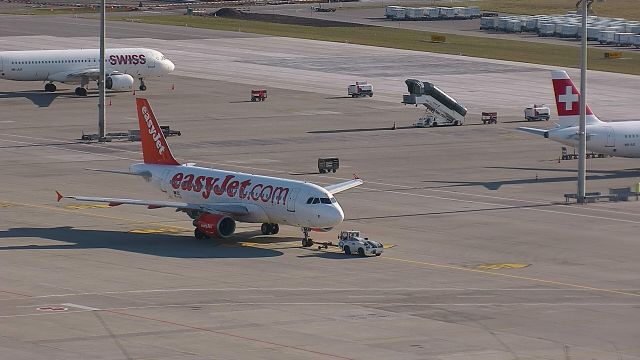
145	174
336	188
541	132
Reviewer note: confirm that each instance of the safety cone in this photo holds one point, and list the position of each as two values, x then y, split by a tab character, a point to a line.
134	92
109	102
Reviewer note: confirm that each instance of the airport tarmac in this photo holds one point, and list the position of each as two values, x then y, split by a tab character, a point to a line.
484	259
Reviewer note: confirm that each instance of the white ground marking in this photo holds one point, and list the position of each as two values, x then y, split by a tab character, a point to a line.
405	289
81	307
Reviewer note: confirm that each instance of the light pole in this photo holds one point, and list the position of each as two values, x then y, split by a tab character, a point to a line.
101	80
582	130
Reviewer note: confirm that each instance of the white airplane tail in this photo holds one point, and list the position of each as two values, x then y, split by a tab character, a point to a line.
568	101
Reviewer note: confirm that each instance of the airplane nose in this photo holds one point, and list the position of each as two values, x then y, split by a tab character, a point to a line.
170	66
337	215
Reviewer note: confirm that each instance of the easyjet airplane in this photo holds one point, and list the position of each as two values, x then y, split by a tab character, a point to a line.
216	199
83	65
620	138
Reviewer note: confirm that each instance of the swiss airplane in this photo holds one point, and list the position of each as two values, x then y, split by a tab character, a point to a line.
80	66
216	199
620	138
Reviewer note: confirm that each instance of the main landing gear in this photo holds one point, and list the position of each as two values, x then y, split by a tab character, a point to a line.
200	235
49	87
307	241
269	229
142	87
80	91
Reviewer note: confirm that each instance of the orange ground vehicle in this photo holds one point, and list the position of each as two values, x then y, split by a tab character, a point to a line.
489	117
259	95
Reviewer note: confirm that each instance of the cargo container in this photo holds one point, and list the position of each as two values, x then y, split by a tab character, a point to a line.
606	37
514	26
414	14
433	13
569	31
447	13
501	23
592	33
473	12
546	29
623	39
636	41
395	12
488	23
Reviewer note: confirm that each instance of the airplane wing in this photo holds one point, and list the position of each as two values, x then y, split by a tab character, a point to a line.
541	132
226	208
91	73
340	187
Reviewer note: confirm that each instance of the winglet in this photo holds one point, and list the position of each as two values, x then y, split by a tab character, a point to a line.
155	149
59	195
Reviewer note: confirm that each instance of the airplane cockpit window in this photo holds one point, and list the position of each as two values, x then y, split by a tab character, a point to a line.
316	201
310	200
325	200
333	200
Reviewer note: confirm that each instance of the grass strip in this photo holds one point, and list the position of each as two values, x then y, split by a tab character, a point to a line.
489	48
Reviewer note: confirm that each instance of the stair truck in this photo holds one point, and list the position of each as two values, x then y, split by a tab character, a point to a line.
442	109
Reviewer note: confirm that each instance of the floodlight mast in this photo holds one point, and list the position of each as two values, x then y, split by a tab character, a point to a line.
582	132
101	80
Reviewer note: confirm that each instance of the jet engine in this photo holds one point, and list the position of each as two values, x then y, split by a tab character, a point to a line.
119	82
215	225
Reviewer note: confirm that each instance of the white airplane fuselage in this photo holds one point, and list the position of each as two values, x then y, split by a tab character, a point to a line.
610	138
55	65
269	199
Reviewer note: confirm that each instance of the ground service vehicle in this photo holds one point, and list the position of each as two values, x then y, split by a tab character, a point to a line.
360	88
321	9
489	117
258	95
326	165
537	112
441	108
351	242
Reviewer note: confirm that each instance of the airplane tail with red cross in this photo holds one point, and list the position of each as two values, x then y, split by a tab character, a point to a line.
567	99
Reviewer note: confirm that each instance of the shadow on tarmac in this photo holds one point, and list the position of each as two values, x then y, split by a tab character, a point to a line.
338	97
39	98
42	98
164	245
591	175
388	128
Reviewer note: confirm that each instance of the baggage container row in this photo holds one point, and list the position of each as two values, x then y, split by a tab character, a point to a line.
432	13
612	31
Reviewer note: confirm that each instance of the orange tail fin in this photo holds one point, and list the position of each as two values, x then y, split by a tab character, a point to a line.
155	149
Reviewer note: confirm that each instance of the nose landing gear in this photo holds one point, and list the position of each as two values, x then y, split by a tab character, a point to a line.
307	241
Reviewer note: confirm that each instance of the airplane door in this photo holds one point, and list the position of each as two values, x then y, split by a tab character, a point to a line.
291	200
611	137
151	62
